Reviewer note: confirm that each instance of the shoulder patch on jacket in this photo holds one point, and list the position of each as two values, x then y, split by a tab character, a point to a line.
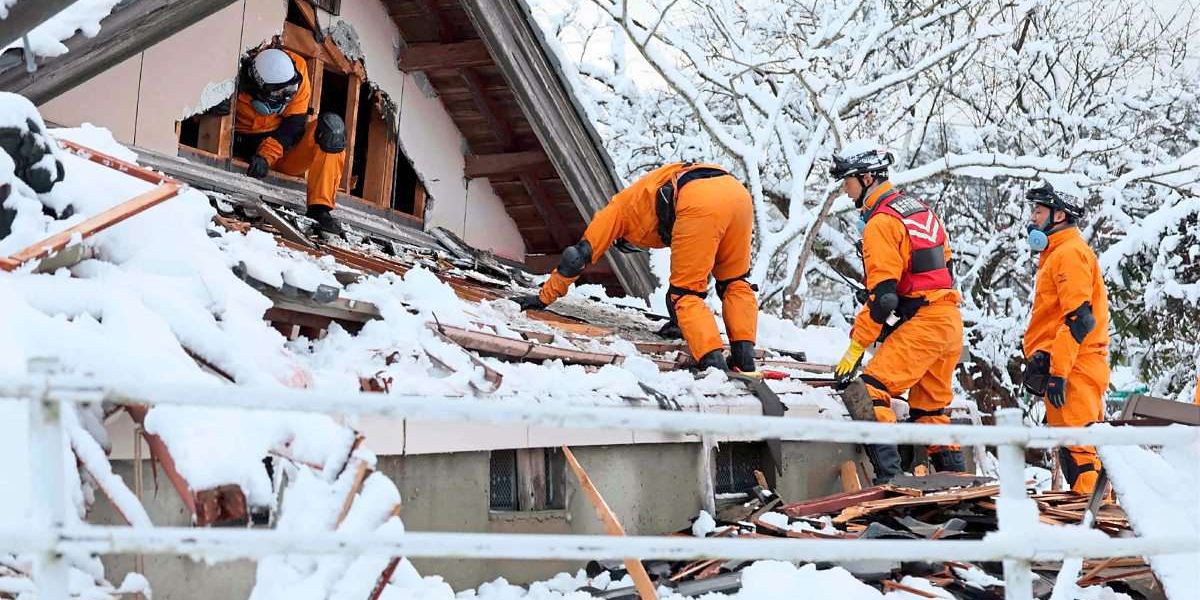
907	206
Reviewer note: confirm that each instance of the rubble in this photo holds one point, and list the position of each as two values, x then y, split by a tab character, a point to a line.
934	506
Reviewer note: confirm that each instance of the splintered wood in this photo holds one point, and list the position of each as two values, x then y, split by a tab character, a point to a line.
612	526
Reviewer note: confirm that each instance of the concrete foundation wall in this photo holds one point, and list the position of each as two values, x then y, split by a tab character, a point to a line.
653	489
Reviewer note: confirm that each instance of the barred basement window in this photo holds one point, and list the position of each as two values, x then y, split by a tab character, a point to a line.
333	7
527	479
736	463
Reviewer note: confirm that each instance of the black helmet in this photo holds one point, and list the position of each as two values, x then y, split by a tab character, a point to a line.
874	161
1047	196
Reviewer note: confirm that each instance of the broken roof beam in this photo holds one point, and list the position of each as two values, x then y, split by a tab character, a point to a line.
94	224
133	26
515	349
508	163
218	505
453	55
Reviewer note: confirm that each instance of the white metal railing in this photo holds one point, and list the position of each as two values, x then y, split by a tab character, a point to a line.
1012	543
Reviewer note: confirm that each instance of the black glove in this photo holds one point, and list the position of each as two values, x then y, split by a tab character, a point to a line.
1056	391
1037	371
529	301
258	167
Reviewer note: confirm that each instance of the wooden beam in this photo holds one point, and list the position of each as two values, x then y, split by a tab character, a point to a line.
353	85
24	16
132	27
444	31
507	163
612	526
454	55
517	349
554	221
500	127
97	223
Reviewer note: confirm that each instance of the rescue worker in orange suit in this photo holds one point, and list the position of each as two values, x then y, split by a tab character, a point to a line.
706	217
1066	344
272	130
911	308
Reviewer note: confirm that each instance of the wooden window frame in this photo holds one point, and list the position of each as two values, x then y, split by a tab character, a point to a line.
215	136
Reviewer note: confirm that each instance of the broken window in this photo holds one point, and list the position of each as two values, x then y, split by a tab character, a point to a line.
736	463
376	170
527	479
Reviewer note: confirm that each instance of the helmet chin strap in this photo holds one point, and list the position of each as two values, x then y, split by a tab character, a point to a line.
862	194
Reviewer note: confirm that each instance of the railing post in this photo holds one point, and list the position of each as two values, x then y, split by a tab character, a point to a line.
51	571
1015	511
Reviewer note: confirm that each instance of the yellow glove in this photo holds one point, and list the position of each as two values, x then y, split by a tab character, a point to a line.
844	371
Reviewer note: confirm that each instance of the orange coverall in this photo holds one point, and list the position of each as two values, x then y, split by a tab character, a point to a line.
921	354
1068	275
714	223
324	168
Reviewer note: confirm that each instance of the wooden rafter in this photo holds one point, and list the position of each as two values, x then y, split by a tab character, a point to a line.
508	163
500	127
444	31
454	55
553	220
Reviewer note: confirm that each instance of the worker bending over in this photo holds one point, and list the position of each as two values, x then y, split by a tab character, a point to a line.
706	217
912	309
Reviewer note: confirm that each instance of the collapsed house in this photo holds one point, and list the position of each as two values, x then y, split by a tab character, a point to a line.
470	168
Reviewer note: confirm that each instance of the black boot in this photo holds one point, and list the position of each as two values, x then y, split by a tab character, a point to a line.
741	356
325	221
716	358
885	458
948	460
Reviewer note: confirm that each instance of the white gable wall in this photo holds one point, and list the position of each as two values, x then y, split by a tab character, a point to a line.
144	96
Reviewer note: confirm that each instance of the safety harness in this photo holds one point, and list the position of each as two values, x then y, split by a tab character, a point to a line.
664	209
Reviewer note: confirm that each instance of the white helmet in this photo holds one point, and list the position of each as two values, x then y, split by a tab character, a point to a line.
273	67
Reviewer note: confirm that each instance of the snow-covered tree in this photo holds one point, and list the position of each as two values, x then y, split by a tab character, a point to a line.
976	98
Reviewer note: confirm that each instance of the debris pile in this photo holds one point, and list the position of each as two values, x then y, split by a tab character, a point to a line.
934	506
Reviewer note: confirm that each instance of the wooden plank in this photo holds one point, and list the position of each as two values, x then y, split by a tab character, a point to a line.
419	202
384	577
488	165
833	503
215	135
316	81
132	169
516	349
159	452
353	87
360	475
454	55
850	482
97	223
531	478
612	526
381	162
